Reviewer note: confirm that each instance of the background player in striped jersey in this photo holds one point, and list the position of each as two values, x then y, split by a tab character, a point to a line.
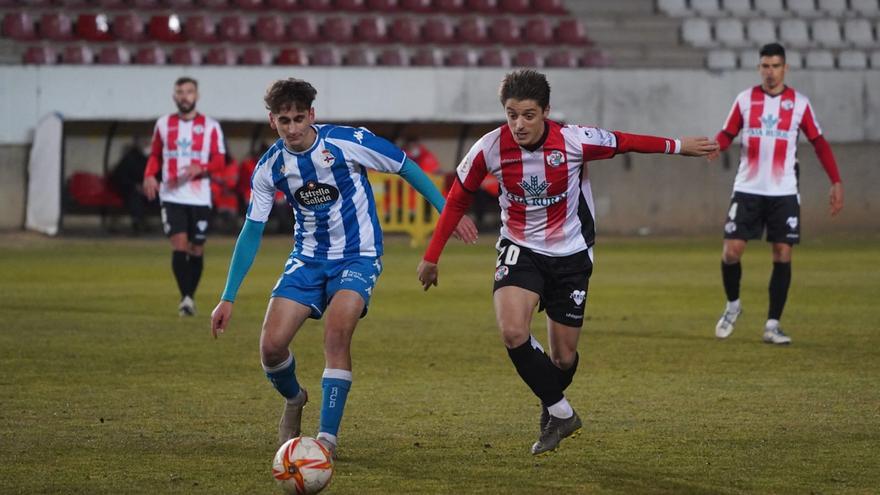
765	191
187	147
545	251
336	258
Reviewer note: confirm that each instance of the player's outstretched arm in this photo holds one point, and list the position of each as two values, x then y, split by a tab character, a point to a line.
465	230
698	146
246	248
836	198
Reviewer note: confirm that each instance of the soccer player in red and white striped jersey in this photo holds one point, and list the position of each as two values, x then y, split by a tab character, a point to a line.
547	233
765	192
187	147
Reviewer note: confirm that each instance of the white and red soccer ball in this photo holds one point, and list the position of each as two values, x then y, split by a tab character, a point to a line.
302	466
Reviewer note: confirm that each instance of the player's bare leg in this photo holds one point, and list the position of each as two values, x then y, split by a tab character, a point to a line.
778	289
731	273
283	319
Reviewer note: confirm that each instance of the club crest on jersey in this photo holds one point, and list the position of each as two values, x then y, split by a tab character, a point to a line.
792	222
578	296
198	129
327	158
501	272
555	158
787	104
316	196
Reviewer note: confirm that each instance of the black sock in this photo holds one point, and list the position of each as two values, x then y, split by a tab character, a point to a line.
566	376
779	282
195	272
539	373
731	274
180	266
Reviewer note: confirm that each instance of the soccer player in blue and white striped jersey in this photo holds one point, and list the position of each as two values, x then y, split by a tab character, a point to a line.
336	258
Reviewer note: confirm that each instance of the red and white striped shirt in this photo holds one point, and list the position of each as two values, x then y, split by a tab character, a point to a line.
771	126
179	143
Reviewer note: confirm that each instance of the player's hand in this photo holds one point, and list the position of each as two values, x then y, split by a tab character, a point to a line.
698	146
427	274
194	171
711	157
466	230
220	317
151	187
836	198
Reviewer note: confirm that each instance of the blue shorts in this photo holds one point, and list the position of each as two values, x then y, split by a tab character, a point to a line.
314	282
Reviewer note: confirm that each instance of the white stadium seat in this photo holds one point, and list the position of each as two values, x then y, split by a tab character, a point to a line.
708	8
794	59
835	8
867	8
826	33
820	59
748	59
721	60
875	60
773	8
674	8
697	32
804	8
852	59
739	8
730	32
858	32
793	32
761	31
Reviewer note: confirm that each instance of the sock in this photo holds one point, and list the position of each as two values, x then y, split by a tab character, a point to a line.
283	377
566	376
536	369
196	263
733	306
731	275
335	385
771	325
561	409
326	436
180	266
779	282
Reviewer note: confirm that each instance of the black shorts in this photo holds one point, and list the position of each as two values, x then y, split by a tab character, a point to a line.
192	219
561	281
749	214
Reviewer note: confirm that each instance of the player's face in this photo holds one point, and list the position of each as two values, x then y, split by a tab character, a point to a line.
185	97
772	71
526	120
294	127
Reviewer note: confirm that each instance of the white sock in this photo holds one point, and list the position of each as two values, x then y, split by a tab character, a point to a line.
733	306
561	409
771	325
326	436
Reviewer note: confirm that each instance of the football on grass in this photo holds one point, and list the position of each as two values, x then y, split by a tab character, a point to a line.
302	466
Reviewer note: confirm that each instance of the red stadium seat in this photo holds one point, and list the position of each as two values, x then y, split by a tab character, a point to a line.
549	6
248	4
287	5
35	3
150	55
292	56
438	30
186	55
538	30
128	27
482	6
56	27
19	26
594	58
214	5
39	55
93	27
113	55
166	28
461	57
271	29
420	6
319	5
562	58
427	57
571	31
394	56
221	55
371	30
234	28
473	30
360	56
200	28
77	55
382	5
337	30
63	3
87	189
449	6
405	30
325	55
494	57
256	55
303	29
527	58
351	5
505	31
516	6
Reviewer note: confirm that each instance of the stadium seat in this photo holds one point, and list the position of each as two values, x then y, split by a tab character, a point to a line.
505	31
494	57
359	56
221	55
449	6
571	31
827	33
595	58
867	8
527	58
858	32
438	30
88	189
93	27
303	29
128	27
697	32
200	28
819	59
39	55
325	55
351	5
549	6
150	55
382	5
427	57
337	30
63	3
730	32
852	60
186	55
256	55
793	32
674	8
393	57
834	8
738	8
761	31
405	30
166	28
794	59
233	28
317	5
461	57
77	55
772	8
721	60
875	59
292	56
707	8
113	55
482	6
472	30
803	8
538	30
56	26
562	59
749	58
248	4
19	26
515	6
285	5
420	6
270	29
371	29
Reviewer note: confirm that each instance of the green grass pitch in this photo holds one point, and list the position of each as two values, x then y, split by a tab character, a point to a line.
105	390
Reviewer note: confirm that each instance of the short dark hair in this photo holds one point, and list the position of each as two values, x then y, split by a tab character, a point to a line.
772	50
525	84
184	80
285	94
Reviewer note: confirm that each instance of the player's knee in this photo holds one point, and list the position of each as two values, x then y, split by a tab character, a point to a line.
513	335
271	352
563	358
